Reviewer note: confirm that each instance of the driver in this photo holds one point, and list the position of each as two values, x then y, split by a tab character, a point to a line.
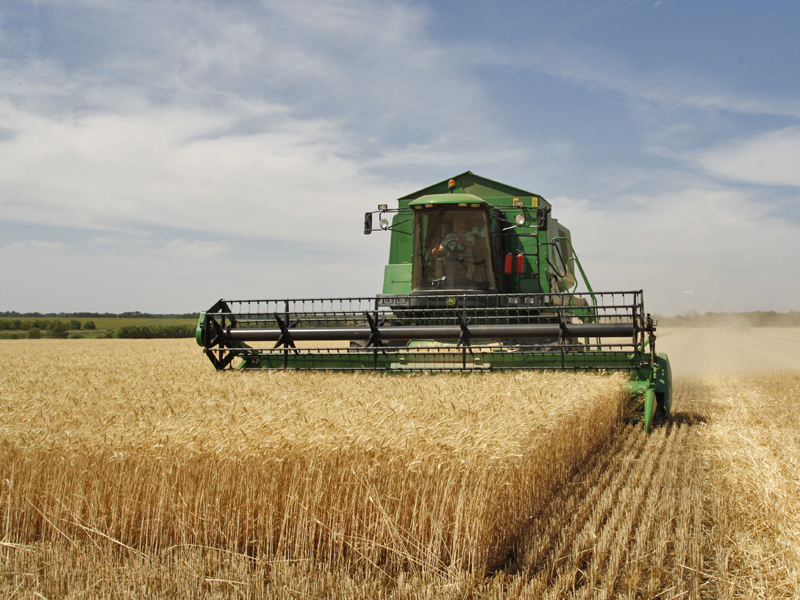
458	244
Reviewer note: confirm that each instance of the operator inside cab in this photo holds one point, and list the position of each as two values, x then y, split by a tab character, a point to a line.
451	248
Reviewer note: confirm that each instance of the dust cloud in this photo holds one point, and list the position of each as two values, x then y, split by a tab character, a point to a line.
699	351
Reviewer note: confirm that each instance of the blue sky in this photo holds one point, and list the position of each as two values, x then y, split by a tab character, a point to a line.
156	156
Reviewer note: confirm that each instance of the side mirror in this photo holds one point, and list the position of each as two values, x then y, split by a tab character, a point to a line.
541	218
367	223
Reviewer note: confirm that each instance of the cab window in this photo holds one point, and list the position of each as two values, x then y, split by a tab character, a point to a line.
452	249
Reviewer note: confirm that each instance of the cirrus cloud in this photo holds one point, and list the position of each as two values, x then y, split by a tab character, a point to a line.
771	158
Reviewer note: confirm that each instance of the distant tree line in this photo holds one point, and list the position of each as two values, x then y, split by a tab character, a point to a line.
744	319
56	328
94	315
155	331
53	327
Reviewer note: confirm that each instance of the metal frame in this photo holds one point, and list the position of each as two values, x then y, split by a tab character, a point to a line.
490	331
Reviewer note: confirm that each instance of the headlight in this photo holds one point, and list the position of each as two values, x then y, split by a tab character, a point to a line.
520	219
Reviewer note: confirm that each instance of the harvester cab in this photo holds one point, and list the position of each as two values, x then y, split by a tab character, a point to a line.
475	235
480	277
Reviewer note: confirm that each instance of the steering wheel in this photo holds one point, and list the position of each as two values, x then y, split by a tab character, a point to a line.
455	246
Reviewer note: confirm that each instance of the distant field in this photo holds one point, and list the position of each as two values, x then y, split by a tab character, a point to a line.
133	469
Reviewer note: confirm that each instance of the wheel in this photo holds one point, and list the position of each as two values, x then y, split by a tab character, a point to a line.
455	246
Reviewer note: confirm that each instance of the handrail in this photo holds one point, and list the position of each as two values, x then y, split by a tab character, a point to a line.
573	260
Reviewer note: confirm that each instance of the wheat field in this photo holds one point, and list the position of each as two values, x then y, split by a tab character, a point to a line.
131	469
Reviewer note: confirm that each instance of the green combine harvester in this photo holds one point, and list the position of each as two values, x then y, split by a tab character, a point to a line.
480	277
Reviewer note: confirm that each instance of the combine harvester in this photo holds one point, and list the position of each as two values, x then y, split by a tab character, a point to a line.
480	277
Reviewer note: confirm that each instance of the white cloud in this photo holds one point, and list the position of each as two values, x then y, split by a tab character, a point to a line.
34	247
194	250
182	168
770	158
269	121
698	238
